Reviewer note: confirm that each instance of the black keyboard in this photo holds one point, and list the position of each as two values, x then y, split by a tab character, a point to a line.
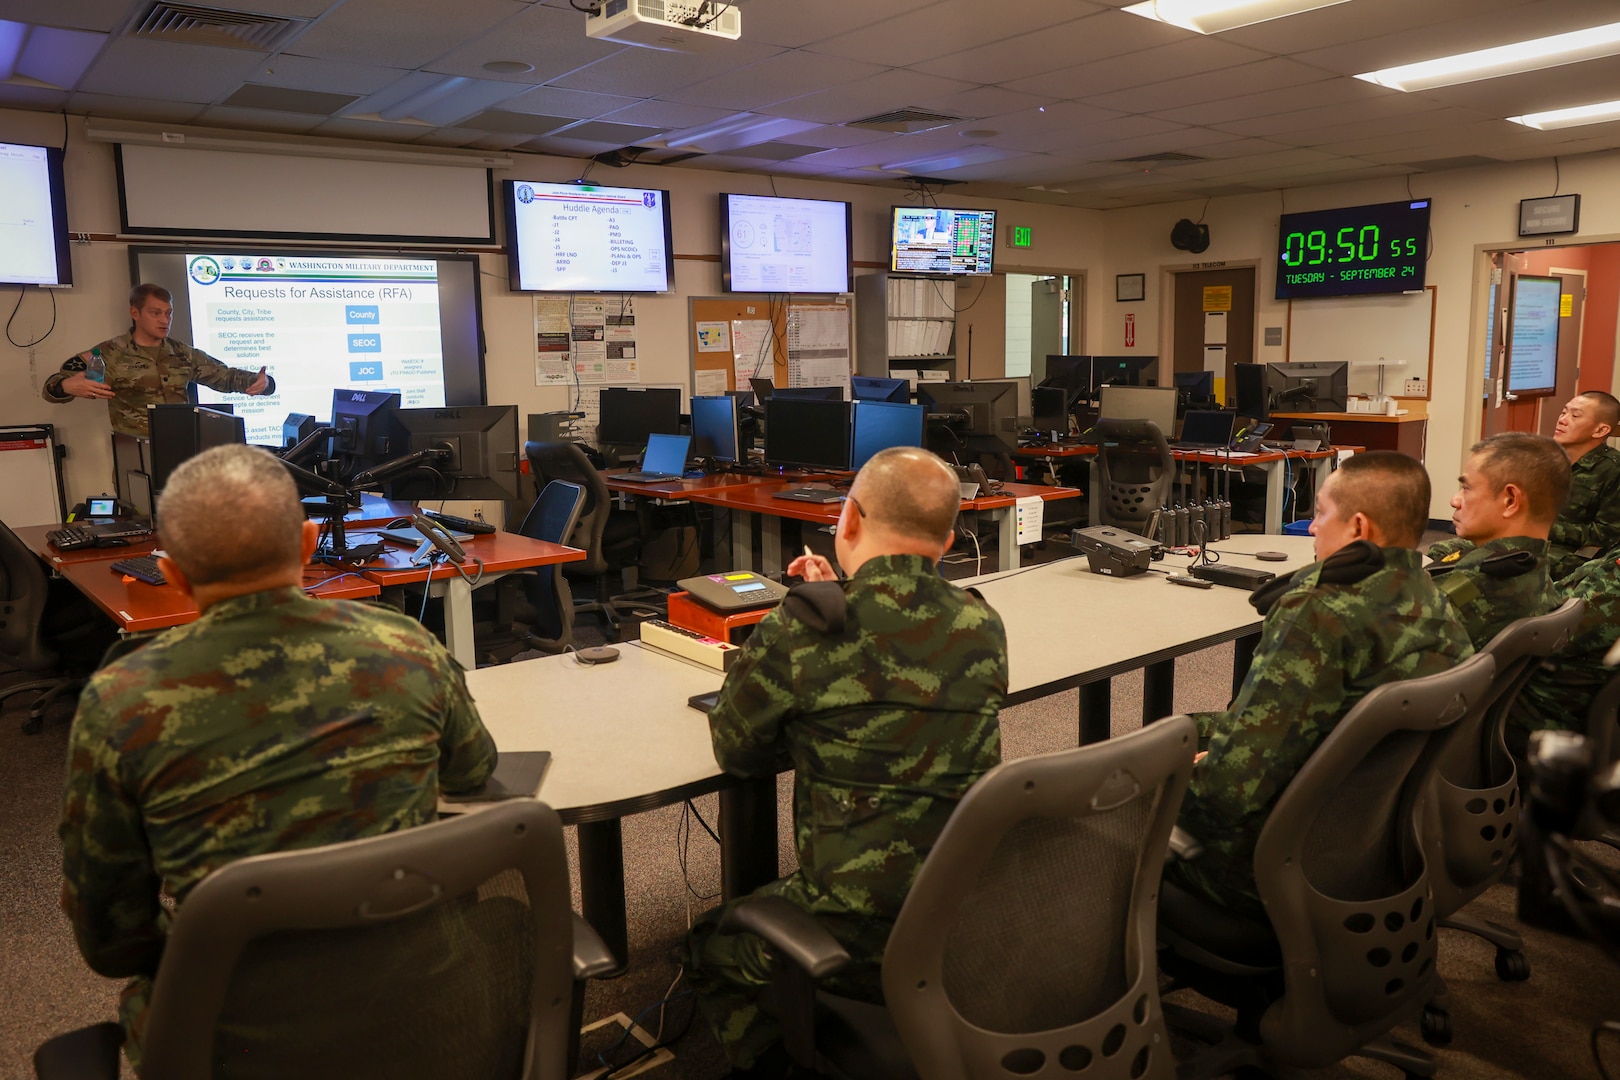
141	568
466	525
75	537
71	538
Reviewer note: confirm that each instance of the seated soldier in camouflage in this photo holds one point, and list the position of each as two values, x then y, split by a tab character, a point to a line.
1364	614
239	734
1561	689
1589	523
882	696
1495	572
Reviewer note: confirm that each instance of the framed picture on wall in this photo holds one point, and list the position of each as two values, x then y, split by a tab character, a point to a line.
1130	287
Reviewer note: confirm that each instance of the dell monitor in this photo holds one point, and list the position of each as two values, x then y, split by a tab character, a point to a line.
296	428
984	412
807	433
629	414
1120	370
1155	403
868	388
1251	397
1073	373
1196	385
1309	387
179	433
878	425
810	393
714	428
457	452
1049	409
365	429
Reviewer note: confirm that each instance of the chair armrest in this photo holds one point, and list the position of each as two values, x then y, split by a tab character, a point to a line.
1184	846
90	1053
791	931
592	957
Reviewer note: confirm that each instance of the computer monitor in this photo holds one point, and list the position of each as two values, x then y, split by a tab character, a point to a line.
810	393
1208	427
1120	370
181	432
1196	385
1309	387
1049	409
985	405
1251	397
628	414
1073	373
714	428
807	433
878	425
763	389
296	428
1155	403
366	429
869	388
461	452
1021	389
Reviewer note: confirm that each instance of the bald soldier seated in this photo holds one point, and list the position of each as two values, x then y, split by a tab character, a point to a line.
881	692
275	721
1589	523
1495	573
1363	614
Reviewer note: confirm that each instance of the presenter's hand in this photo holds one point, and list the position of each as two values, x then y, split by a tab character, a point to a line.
258	386
80	386
812	568
1200	756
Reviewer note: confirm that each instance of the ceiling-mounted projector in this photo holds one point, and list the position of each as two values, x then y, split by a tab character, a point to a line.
672	25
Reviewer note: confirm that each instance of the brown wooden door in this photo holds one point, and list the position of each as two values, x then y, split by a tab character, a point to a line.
1188	346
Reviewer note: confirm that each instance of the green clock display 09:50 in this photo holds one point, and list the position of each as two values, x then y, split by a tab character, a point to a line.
1350	245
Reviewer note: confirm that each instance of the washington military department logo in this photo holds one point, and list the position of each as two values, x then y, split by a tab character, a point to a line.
203	269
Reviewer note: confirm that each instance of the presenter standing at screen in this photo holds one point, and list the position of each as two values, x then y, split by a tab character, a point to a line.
145	367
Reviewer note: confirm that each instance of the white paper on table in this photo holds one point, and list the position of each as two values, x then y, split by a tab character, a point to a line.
709	383
751	346
1215	359
1031	511
1214	328
713	336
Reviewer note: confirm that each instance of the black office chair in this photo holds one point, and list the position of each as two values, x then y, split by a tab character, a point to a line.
1136	472
1026	942
610	539
1603	735
548	612
46	625
1349	949
447	950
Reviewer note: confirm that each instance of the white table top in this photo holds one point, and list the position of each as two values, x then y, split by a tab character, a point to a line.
1067	626
621	736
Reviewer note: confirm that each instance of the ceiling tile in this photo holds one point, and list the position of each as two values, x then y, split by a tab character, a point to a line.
326	76
163	70
866	97
133	108
13	96
570	148
102	15
281	99
1534	91
554	101
1192	89
666	115
1357	22
553	41
650	72
616	134
526	124
1391	111
400	33
1336	91
947	27
786	75
58	57
1231	148
258	119
830	136
793	23
986	101
1066	45
297	9
1158	64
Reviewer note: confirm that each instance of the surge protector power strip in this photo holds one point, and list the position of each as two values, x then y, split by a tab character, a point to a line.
689	644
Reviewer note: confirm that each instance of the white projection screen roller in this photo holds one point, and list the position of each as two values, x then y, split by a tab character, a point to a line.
180	191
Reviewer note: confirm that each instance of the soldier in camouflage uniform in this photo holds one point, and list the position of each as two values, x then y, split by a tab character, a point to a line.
1364	614
1511	489
1590	523
1561	689
235	735
145	367
882	694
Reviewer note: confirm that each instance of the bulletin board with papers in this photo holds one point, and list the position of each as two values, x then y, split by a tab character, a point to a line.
791	343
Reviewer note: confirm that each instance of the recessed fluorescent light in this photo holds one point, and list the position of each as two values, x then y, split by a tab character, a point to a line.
1560	49
1214	16
1600	113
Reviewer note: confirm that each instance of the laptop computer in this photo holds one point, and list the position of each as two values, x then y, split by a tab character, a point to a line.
665	460
1206	430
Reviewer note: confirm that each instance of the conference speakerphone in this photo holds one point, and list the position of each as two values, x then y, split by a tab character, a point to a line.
739	590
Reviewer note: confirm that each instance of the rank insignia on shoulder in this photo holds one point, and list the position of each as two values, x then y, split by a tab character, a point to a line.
1451	557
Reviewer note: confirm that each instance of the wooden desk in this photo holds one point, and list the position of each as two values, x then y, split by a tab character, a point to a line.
746	503
680	490
137	606
622	741
500	552
1067	627
34	537
1408	433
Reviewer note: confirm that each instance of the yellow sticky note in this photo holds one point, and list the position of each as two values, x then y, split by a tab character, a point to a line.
1566	305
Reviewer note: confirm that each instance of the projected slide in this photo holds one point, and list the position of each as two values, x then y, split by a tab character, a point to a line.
29	231
787	245
318	323
584	238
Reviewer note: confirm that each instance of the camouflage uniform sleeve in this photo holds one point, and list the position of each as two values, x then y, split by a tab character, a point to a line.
52	390
466	749
758	695
1603	531
109	884
215	375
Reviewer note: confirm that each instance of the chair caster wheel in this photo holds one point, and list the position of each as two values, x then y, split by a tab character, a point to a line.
1436	1026
1512	965
34	725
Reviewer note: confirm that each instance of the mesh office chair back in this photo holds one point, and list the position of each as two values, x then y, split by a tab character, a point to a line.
23	591
1027	941
1137	471
443	951
552	518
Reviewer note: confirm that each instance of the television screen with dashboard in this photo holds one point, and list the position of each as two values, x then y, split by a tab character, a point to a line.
775	245
932	241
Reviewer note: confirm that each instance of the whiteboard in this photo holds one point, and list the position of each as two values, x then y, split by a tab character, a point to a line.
1395	329
179	191
31	494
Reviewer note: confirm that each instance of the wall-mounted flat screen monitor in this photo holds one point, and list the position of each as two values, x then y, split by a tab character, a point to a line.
774	245
1353	251
588	238
933	241
324	321
1532	353
34	235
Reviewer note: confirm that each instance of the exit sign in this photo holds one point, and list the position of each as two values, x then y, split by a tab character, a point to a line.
1022	236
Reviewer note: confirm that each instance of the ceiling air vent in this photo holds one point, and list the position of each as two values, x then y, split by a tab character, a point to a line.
1169	157
190	24
907	121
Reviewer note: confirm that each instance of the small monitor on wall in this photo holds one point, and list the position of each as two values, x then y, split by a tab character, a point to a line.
35	248
775	245
588	238
932	241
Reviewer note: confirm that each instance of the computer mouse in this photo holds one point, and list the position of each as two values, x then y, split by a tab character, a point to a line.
1271	556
